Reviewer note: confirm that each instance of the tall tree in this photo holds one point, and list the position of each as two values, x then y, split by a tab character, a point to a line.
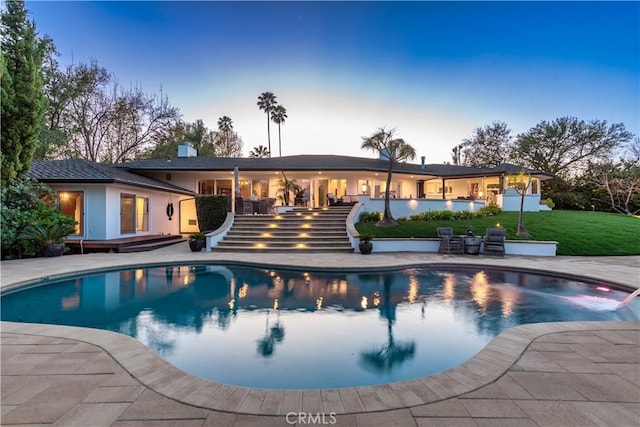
225	127
266	102
259	152
279	115
23	101
196	134
488	147
621	180
395	150
565	146
229	145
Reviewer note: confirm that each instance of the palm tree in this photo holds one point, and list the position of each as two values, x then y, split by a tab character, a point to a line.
225	125
266	102
395	150
279	115
259	152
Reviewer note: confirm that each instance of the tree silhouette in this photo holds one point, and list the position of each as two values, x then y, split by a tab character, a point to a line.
279	115
395	150
266	102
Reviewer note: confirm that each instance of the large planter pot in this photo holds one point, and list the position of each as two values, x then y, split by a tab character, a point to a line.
196	245
53	250
365	247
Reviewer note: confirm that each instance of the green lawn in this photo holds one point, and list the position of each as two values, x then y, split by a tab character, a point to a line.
577	232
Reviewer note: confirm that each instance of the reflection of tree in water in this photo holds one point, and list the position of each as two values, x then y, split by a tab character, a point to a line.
385	358
272	335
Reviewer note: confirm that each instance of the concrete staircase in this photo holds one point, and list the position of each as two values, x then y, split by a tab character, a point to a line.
299	230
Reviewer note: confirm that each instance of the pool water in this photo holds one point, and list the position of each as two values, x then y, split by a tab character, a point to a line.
277	328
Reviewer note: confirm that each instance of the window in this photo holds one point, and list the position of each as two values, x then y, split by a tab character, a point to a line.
72	205
134	213
127	213
142	212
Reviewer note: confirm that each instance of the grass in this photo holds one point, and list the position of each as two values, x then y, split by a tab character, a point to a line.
577	232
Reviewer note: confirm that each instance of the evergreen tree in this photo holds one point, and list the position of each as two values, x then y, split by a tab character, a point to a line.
23	100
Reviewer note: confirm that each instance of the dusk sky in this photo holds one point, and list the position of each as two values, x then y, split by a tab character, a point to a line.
433	70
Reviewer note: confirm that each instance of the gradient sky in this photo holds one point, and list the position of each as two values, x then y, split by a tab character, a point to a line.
433	70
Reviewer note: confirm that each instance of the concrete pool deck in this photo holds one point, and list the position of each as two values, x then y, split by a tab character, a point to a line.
575	373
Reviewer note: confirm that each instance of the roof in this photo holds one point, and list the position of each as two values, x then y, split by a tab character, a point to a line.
308	162
85	171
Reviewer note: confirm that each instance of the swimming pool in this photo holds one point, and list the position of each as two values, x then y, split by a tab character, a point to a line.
309	329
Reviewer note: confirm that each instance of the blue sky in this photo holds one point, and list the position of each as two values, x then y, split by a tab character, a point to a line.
433	70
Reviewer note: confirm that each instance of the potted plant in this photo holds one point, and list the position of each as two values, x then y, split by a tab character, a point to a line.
365	243
197	241
50	236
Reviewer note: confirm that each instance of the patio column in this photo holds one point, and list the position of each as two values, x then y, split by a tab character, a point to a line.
444	189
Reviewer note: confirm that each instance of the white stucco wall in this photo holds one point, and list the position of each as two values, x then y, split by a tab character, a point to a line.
510	201
408	207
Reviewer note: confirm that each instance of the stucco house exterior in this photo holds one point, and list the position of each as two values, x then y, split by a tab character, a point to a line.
136	198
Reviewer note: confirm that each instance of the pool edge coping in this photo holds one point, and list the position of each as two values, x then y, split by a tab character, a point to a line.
158	375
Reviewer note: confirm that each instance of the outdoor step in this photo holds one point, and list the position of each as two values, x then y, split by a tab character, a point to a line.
325	230
283	250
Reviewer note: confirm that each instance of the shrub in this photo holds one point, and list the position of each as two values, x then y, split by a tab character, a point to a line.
489	210
23	203
211	211
549	203
370	217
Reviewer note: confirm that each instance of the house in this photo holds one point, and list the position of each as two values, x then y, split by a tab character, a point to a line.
135	198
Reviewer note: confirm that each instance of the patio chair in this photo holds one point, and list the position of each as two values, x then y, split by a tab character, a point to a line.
494	241
247	207
271	206
333	199
449	243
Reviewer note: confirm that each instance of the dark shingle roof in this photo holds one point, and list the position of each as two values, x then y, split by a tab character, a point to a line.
310	162
85	171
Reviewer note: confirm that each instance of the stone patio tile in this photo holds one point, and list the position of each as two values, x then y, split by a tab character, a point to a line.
607	353
39	411
99	363
446	422
348	420
114	394
399	417
406	394
21	364
423	391
505	422
545	386
253	401
331	401
449	408
66	363
261	421
163	423
535	361
602	387
633	407
490	391
152	406
548	346
120	378
229	401
370	399
351	400
628	371
83	347
492	408
86	414
19	389
41	348
512	389
311	401
619	337
608	414
272	402
388	396
554	413
220	419
291	402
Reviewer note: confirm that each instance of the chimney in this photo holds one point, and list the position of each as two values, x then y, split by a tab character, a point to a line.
186	150
422	158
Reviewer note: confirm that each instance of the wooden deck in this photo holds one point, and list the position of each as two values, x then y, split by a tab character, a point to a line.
124	244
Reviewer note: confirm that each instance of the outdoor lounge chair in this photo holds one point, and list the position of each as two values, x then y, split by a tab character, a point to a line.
494	241
449	243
